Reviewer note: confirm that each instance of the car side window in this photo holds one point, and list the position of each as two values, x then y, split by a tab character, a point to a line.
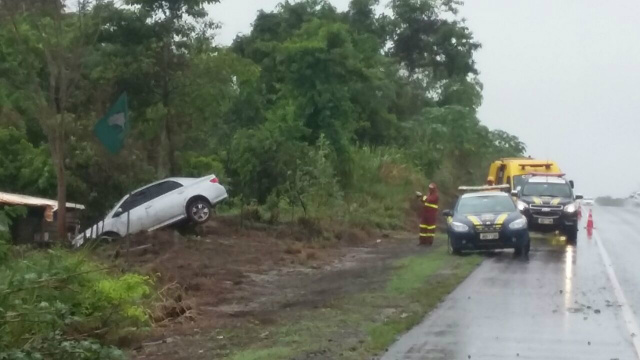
162	188
136	199
147	194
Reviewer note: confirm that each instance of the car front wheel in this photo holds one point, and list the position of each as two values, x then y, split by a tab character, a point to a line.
199	211
572	235
453	250
524	247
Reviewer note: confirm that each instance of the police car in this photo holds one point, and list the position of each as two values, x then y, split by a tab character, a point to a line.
549	204
486	220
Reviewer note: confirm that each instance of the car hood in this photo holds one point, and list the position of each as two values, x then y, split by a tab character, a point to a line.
545	200
487	219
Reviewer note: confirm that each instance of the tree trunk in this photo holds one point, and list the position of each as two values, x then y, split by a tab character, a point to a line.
58	155
168	163
161	152
62	203
173	166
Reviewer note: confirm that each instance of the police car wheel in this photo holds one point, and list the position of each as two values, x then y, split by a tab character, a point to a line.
452	250
517	251
572	235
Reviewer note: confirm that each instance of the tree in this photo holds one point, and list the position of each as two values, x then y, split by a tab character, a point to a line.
47	49
164	34
425	41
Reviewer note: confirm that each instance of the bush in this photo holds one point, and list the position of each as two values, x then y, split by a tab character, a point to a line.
7	214
195	165
58	305
383	186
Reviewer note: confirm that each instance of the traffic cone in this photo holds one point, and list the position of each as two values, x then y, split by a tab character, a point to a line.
590	221
579	213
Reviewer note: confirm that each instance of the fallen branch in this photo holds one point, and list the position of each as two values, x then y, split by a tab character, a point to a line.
140	247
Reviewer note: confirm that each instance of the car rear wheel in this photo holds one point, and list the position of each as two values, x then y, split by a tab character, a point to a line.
199	211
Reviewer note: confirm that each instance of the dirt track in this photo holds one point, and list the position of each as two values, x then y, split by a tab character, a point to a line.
231	278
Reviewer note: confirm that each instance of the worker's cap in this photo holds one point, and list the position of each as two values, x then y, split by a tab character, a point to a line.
432	186
490	178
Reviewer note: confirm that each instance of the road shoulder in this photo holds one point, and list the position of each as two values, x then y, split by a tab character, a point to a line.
352	307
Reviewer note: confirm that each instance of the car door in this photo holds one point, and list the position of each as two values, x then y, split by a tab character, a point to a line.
166	203
133	215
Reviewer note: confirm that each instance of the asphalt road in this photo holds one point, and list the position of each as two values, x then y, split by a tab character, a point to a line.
564	302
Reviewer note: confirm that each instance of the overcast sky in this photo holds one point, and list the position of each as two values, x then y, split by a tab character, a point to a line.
564	76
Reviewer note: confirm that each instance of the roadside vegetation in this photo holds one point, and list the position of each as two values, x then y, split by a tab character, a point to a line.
315	117
306	111
60	305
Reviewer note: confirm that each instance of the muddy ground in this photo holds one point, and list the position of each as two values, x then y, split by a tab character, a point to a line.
223	276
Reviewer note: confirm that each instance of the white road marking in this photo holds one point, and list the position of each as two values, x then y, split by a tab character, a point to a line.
627	313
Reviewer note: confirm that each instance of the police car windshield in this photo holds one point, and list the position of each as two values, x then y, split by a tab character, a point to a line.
485	204
547	189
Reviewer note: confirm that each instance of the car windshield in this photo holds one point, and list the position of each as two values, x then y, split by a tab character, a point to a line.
485	204
547	189
518	180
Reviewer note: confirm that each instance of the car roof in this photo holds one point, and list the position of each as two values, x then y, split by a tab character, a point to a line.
484	193
547	179
182	180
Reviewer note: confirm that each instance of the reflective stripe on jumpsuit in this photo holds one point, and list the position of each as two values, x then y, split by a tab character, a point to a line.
429	216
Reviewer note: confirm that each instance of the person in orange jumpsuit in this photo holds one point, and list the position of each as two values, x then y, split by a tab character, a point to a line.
429	215
490	181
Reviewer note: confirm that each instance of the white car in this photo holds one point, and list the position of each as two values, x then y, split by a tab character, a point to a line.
159	204
588	202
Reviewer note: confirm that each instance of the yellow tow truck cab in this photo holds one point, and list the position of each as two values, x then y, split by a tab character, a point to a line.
511	171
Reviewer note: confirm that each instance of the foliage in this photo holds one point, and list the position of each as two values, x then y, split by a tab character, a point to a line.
383	187
57	305
301	112
7	215
24	168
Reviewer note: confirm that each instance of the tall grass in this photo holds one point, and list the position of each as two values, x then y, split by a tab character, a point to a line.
383	187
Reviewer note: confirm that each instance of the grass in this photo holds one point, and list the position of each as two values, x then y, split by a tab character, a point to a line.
365	324
414	271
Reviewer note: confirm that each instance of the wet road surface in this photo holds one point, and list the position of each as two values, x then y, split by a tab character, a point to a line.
564	302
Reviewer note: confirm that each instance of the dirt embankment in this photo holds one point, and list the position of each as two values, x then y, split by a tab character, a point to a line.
222	277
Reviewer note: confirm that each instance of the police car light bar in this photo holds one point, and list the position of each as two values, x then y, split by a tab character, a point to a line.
484	187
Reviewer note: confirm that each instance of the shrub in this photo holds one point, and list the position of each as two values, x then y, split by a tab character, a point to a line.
7	214
58	305
383	186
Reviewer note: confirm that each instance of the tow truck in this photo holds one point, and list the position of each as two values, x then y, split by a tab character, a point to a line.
548	202
513	171
486	218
